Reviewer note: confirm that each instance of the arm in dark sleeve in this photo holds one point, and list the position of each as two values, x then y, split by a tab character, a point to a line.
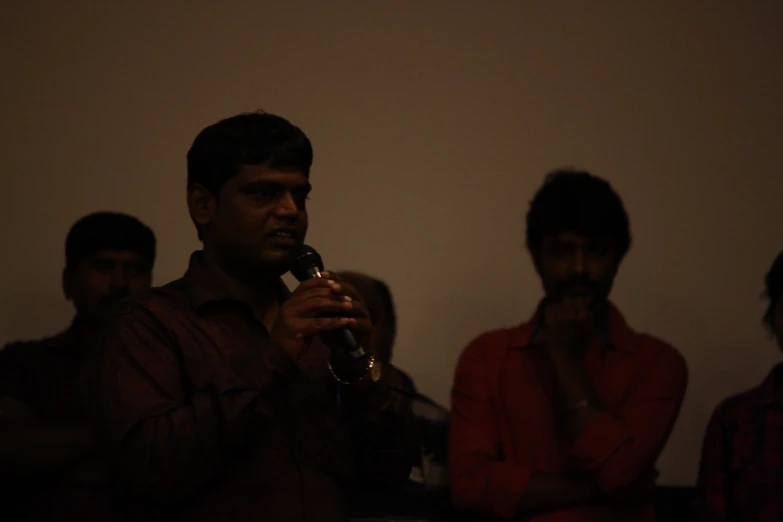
166	442
30	446
711	501
383	428
481	481
615	449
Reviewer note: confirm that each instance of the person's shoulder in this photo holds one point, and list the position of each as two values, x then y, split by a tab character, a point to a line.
22	347
162	302
737	406
489	348
490	342
655	350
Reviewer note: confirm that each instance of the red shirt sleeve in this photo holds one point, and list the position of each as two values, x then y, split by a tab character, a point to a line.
480	481
165	443
711	485
617	447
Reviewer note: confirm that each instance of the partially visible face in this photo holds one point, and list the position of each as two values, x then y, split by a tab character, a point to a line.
382	334
573	265
777	322
258	217
104	278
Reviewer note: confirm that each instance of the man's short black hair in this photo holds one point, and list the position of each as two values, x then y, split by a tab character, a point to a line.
255	138
773	288
108	231
579	202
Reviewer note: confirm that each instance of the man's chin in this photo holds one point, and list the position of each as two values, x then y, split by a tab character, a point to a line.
276	261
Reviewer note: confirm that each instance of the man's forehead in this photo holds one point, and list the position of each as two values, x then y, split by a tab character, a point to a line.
263	173
577	238
118	255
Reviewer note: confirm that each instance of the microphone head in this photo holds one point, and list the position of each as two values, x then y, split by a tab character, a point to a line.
304	259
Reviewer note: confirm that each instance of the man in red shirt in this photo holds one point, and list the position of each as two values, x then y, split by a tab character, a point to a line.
563	417
46	444
741	472
222	396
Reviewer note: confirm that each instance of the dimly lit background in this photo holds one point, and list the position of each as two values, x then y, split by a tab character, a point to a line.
433	124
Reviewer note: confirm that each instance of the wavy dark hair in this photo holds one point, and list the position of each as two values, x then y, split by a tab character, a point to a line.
579	202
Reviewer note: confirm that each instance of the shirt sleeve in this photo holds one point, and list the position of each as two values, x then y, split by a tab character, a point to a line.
383	430
617	447
480	480
166	440
17	378
711	483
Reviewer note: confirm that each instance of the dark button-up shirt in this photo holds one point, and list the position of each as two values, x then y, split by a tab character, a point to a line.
208	419
741	472
43	378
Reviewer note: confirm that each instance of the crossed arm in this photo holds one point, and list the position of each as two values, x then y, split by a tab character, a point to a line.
611	450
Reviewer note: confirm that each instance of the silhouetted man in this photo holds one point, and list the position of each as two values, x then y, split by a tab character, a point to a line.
45	439
563	417
741	472
429	473
221	395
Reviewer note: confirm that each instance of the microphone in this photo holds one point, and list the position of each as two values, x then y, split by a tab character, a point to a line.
307	264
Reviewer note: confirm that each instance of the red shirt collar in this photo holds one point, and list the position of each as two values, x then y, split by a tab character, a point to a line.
620	334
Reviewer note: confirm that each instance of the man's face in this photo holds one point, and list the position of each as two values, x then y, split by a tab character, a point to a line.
259	216
777	322
573	265
104	278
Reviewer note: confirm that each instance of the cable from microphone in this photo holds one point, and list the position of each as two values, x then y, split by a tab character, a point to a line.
306	264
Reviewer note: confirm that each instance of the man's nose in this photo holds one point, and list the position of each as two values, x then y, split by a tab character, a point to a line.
120	278
286	207
578	265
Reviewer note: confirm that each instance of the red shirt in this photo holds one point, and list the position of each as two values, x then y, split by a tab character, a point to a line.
207	419
741	472
503	419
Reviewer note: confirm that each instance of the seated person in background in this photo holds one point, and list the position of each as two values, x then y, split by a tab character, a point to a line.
222	396
741	472
44	435
562	418
432	418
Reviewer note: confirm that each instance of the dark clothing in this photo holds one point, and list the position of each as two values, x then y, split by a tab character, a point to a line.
207	418
44	376
741	472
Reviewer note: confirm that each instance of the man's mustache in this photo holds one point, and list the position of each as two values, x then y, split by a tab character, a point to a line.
115	296
577	282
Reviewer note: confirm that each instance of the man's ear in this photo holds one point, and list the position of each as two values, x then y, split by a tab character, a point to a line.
68	283
202	205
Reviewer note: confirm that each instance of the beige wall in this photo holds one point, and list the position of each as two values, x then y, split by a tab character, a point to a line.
433	123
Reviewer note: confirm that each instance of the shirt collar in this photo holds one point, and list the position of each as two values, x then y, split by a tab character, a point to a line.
203	288
618	334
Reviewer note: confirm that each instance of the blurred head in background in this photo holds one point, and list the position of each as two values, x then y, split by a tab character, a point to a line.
378	300
577	234
773	289
108	256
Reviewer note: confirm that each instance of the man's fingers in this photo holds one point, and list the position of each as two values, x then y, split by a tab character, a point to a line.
321	305
322	291
317	325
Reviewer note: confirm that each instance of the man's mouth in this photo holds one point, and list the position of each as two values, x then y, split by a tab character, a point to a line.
287	236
